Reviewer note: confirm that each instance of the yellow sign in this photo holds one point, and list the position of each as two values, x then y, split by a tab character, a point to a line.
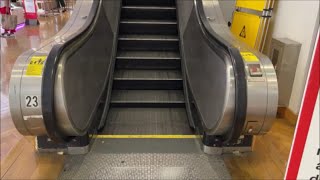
35	66
258	5
246	27
249	57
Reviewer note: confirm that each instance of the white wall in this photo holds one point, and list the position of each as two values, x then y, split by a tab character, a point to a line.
227	8
297	20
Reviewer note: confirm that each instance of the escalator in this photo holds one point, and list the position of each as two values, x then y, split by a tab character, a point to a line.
147	82
143	89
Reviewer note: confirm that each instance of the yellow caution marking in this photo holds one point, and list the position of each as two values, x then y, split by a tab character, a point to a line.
145	136
243	32
35	66
258	5
249	57
246	27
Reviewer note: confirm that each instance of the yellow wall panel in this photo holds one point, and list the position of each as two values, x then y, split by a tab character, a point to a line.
245	27
258	5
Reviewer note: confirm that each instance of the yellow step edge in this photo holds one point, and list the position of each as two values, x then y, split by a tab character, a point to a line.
145	136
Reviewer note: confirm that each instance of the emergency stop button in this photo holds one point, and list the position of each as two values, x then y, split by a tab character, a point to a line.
255	70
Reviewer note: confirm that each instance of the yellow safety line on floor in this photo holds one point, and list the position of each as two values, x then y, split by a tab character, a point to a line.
146	136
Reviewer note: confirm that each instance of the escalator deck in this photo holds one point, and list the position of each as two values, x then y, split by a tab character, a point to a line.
147	99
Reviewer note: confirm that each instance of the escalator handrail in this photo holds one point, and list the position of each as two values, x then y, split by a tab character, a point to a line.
49	75
215	41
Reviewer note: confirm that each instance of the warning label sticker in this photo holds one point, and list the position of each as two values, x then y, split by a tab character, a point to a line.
35	66
249	57
243	32
246	27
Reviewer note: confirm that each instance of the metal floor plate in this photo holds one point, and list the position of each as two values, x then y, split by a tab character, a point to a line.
149	159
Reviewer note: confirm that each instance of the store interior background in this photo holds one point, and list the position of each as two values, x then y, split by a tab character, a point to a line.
293	19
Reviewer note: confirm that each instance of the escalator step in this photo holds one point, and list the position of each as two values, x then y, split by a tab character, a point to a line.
148	2
148	12
142	121
147	98
147	79
148	42
138	26
147	75
148	55
160	64
148	60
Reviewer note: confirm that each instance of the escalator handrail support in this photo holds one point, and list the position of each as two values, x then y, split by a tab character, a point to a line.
233	53
49	74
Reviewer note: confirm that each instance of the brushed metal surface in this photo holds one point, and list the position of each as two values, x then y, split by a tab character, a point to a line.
76	99
209	74
145	159
262	93
214	96
147	121
148	54
158	96
147	75
29	121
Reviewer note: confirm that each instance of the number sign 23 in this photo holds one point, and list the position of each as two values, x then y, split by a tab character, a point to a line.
32	101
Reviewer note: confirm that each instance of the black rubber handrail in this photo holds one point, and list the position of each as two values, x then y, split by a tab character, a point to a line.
49	75
218	43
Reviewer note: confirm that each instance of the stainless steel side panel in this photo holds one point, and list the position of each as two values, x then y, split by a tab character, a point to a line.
209	74
211	77
29	121
82	75
262	93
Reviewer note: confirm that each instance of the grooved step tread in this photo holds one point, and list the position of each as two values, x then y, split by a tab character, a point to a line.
138	37
150	7
147	75
142	21
147	121
148	3
148	55
147	96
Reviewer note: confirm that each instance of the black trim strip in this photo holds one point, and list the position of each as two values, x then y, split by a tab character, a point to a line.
49	74
186	92
239	74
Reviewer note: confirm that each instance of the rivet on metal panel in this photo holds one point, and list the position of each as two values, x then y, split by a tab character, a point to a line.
210	18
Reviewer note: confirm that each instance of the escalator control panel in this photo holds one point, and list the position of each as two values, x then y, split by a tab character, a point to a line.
255	70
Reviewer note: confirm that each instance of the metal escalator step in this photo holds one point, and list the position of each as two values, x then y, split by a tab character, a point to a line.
148	12
148	55
148	37
147	98
148	60
148	80
142	121
140	26
148	42
160	64
147	75
148	3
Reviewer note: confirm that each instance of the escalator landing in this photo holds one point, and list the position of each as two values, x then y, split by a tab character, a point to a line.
148	102
145	159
